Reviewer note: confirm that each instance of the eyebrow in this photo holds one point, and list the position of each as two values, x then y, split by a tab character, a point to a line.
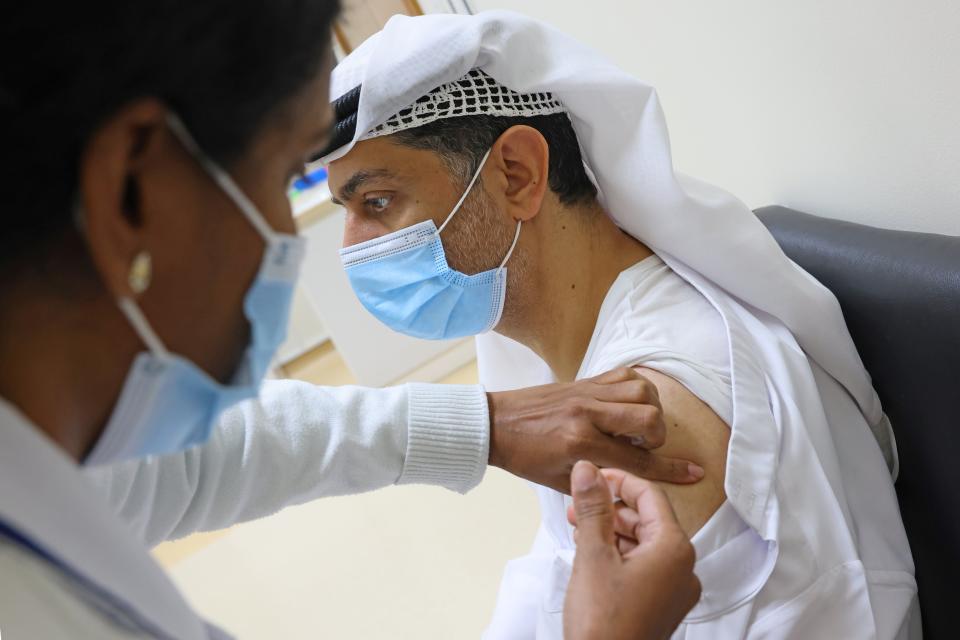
350	187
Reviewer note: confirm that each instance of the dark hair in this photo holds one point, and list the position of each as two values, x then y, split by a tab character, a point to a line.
462	141
224	67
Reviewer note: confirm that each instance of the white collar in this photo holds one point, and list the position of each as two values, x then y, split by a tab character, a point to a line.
622	286
47	499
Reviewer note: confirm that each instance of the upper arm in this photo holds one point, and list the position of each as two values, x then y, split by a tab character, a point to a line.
696	433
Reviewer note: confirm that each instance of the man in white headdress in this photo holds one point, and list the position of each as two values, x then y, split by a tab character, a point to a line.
498	175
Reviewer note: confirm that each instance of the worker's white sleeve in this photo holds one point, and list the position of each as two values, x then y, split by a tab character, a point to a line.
298	442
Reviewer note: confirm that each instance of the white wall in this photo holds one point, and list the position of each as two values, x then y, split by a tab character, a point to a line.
842	108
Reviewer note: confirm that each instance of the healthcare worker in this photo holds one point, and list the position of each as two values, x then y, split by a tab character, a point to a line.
149	256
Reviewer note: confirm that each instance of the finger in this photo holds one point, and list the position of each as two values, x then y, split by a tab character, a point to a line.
623	374
625	545
618	454
642	423
593	507
634	389
625	520
653	509
692	592
619	374
696	589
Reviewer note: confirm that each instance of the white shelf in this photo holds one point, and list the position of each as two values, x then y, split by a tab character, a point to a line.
306	330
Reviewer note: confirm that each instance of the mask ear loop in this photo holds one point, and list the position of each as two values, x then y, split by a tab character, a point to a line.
129	308
463	198
473	181
218	175
513	246
139	323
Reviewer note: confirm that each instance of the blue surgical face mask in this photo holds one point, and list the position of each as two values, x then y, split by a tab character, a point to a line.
168	403
404	280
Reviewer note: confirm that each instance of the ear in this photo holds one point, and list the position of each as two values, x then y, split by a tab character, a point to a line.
110	171
523	155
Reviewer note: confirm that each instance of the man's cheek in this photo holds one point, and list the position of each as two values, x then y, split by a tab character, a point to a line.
407	215
359	229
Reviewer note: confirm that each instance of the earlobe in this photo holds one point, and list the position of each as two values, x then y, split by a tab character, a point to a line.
525	157
141	272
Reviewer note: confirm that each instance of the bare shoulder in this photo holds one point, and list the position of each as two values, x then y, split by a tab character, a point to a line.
694	432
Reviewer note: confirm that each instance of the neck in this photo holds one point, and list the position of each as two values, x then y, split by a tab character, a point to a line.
62	368
580	252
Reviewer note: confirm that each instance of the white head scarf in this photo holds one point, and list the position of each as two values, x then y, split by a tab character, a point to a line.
623	136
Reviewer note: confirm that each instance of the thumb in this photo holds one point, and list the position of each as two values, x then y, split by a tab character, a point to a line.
593	506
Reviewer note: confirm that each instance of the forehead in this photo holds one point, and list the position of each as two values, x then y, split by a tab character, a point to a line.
383	155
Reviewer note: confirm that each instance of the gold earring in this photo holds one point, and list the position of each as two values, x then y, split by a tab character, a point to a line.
141	270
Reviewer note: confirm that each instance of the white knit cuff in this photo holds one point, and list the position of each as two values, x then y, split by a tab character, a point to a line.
448	436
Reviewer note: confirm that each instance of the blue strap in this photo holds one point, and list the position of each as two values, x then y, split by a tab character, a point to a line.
116	609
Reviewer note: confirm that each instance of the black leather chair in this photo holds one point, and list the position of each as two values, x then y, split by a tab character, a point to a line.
900	294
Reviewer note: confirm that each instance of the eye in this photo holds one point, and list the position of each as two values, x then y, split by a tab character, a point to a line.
377	204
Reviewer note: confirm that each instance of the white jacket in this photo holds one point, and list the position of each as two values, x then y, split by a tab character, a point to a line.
74	542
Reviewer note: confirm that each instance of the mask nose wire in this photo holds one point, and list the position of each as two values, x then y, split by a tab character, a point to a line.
224	181
473	181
